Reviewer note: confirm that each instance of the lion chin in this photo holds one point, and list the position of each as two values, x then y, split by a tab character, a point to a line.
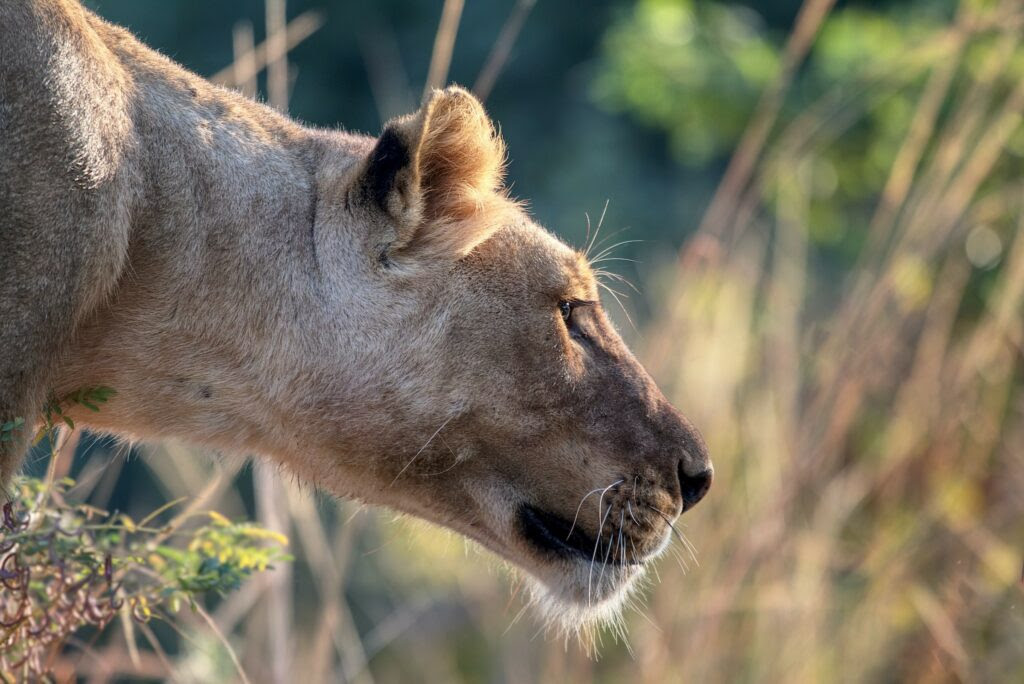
587	601
584	601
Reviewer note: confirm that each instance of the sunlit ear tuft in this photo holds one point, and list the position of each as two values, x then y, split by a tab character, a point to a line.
438	174
461	155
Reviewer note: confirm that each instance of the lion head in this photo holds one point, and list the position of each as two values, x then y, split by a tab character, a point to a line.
379	316
482	386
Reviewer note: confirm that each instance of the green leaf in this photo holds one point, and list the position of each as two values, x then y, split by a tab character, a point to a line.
10	426
174	555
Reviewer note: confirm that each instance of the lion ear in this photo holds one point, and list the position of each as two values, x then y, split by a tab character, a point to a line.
437	174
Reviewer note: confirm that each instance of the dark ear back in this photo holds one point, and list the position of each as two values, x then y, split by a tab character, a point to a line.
390	156
437	175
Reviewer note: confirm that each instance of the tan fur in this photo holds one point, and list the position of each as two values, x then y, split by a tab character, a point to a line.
452	183
374	314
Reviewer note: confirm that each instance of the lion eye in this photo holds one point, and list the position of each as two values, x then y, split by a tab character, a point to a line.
566	309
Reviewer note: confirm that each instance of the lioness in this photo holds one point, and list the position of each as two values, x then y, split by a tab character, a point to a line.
375	314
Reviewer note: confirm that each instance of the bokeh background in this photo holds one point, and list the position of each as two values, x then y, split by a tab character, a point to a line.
820	206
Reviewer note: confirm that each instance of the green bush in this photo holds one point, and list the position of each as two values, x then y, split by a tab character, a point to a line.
66	566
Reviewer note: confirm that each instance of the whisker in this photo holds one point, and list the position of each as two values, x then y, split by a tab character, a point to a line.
608	250
604	211
622	538
691	548
600	222
611	258
515	619
590	243
610	274
680	560
613	276
630	509
586	238
455	460
602	279
615	294
617	277
685	542
610	547
607	554
608	288
425	445
651	622
657	573
515	591
620	231
576	517
593	558
657	510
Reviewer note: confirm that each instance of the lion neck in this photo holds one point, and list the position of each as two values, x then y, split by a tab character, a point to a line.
218	326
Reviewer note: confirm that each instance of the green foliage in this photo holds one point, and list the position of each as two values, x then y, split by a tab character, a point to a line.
66	566
8	429
89	397
697	70
693	69
221	554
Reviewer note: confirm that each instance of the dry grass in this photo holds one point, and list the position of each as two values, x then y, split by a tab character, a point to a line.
867	521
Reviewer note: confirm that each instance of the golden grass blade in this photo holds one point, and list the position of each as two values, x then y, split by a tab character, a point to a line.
502	48
298	30
444	43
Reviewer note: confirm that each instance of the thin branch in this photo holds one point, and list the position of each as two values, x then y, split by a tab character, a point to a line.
748	151
277	55
299	29
243	69
224	642
444	43
270	494
502	48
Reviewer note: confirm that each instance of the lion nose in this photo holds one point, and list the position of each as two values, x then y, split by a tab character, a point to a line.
694	487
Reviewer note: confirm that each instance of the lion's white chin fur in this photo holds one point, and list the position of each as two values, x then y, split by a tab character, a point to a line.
581	600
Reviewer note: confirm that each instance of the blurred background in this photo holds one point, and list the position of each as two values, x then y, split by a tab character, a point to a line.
820	206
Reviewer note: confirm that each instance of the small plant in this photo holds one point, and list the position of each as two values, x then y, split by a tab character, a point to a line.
67	566
53	409
64	567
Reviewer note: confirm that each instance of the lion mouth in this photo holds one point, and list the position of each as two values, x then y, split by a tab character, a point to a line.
556	535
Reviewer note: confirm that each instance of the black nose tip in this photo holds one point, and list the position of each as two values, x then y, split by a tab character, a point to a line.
694	487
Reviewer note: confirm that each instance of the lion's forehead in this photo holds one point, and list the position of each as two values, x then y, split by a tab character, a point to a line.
544	264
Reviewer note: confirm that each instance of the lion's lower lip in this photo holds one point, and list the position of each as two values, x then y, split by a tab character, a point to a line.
556	535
